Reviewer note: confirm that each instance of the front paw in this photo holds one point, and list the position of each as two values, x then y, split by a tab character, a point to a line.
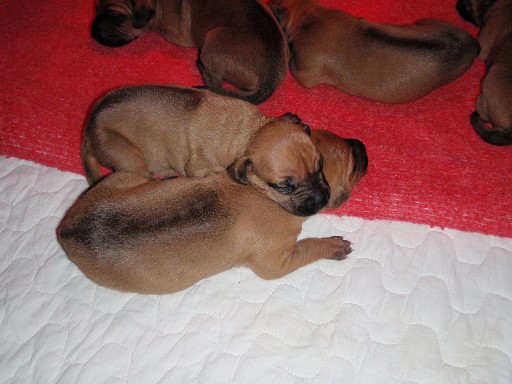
339	247
291	117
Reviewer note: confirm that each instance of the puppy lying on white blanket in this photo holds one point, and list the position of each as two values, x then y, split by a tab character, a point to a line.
160	236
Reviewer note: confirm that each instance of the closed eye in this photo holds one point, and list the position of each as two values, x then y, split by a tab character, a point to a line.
285	188
320	165
116	16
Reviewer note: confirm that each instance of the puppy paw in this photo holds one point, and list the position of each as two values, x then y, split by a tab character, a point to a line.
339	247
292	117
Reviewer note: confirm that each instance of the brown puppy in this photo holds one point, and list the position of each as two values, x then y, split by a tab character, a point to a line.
163	131
492	119
384	63
240	43
161	236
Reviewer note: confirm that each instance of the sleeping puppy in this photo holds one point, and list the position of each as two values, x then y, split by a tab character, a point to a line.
240	43
161	131
492	119
131	233
383	63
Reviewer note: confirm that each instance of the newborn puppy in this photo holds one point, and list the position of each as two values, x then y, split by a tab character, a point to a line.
164	131
492	119
161	236
240	43
383	63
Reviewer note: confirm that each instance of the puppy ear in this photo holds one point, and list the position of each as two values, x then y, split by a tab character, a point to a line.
141	15
238	170
293	118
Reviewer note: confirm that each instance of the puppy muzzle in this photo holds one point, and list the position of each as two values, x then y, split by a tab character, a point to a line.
317	196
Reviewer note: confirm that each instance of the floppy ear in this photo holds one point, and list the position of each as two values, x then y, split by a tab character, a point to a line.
238	170
142	14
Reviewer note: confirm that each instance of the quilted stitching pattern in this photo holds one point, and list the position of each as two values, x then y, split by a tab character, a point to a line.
412	304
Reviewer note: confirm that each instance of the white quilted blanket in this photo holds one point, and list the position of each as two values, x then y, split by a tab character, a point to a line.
412	304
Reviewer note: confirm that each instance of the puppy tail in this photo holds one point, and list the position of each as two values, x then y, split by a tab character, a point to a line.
492	135
90	163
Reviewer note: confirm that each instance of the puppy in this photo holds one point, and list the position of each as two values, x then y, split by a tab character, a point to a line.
492	119
383	63
130	233
164	131
240	43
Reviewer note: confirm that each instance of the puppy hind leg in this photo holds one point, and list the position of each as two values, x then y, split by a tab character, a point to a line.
305	252
90	163
122	155
209	79
227	64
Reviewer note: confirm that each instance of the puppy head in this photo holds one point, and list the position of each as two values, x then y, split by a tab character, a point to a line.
474	10
283	162
119	22
345	163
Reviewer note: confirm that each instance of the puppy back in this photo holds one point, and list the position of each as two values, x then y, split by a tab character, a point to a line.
178	98
107	217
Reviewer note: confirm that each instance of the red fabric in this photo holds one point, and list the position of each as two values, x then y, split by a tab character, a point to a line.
426	163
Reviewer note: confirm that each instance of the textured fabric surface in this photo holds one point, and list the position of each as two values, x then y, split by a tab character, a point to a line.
426	163
411	304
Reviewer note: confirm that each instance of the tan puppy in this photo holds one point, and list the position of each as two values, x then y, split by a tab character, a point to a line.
161	236
240	43
163	131
492	119
384	63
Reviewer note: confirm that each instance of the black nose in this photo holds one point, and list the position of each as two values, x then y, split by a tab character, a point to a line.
107	33
359	155
466	11
96	32
316	200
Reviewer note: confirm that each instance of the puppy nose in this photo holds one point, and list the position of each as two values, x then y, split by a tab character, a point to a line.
96	31
316	200
106	33
359	155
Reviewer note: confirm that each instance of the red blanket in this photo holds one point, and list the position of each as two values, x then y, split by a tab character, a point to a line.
426	163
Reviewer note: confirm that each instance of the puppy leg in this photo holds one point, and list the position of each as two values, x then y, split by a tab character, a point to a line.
305	252
89	162
122	155
226	60
200	165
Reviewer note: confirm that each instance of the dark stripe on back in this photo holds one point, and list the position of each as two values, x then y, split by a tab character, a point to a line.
446	44
182	98
108	227
373	33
